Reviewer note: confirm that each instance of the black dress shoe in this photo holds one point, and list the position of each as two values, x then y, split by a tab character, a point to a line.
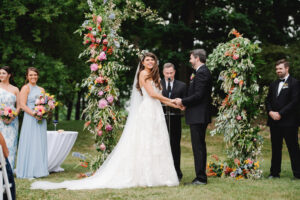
273	176
197	182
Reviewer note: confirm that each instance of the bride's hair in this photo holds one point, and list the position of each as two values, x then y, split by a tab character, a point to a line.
154	73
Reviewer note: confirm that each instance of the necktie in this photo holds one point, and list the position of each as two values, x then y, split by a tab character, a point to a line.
169	89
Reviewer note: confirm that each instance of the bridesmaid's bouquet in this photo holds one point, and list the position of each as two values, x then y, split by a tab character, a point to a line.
44	105
6	112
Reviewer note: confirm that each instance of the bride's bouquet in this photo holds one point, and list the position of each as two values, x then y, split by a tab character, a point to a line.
44	105
6	112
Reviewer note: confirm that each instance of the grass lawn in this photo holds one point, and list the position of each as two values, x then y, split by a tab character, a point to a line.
217	188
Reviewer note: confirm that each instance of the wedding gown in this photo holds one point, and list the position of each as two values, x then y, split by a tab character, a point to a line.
142	157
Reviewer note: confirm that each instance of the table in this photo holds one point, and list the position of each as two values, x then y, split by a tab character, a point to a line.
59	146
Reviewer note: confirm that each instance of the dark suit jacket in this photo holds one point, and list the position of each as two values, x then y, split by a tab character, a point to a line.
178	91
198	100
285	103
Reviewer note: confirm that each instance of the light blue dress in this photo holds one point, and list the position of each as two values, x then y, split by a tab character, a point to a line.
32	160
10	131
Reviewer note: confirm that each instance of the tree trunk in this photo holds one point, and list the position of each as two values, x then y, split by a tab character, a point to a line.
78	106
70	107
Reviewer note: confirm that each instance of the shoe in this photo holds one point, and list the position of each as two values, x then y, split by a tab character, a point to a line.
197	182
273	176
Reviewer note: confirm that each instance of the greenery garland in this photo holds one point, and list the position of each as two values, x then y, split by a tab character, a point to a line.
106	51
233	61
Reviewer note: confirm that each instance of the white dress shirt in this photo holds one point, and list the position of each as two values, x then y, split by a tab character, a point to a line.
281	84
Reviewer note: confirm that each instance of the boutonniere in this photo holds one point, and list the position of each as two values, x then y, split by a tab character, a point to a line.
192	76
285	85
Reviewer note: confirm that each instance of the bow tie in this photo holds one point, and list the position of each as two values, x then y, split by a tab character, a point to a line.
281	80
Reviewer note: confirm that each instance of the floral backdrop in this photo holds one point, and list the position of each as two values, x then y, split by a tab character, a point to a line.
105	53
240	101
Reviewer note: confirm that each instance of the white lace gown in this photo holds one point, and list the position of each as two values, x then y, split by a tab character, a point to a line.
142	157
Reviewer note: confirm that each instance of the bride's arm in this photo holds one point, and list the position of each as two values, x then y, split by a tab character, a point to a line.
148	87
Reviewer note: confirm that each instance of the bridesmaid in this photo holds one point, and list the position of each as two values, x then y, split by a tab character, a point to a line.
9	96
32	161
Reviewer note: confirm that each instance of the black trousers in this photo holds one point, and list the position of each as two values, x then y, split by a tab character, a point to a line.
175	137
290	134
199	150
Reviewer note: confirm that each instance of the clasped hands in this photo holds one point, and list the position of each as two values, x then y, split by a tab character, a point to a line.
178	103
275	115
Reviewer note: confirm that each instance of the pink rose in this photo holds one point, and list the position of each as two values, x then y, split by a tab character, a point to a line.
235	56
108	127
99	19
236	81
42	101
102	147
100	93
110	99
105	42
102	103
100	133
102	56
94	67
99	79
238	117
39	114
89	28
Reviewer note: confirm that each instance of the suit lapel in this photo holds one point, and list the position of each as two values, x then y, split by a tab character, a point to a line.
288	83
173	88
164	92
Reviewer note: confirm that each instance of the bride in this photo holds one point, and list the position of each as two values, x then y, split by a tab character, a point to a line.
142	156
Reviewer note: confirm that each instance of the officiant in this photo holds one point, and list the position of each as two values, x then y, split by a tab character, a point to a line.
173	89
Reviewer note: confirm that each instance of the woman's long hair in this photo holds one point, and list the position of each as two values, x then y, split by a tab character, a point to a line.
27	72
154	73
9	71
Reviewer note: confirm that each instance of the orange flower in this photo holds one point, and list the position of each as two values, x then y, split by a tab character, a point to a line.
99	28
241	83
107	88
87	124
110	51
215	157
237	161
100	125
237	34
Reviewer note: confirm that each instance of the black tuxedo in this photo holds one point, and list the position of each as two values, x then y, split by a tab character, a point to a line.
198	115
286	103
178	91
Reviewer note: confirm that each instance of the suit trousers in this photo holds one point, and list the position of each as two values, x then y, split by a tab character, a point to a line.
290	135
199	150
175	137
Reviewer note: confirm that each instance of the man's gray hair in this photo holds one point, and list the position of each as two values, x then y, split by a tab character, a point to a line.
199	53
169	65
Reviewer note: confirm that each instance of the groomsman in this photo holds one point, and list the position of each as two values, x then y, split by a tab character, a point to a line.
281	105
173	89
198	111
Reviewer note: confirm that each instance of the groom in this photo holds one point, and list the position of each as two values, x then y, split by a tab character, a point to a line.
198	111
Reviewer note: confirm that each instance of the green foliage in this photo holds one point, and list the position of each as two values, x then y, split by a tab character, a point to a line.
243	102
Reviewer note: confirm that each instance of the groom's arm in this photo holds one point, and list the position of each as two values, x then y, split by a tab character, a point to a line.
201	82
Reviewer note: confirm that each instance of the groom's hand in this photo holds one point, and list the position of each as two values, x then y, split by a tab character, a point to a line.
178	102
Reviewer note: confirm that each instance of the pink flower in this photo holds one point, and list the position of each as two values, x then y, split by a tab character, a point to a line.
42	101
236	81
232	174
102	147
102	56
102	103
250	161
89	28
110	99
100	93
99	19
51	104
108	127
99	79
235	56
238	117
98	40
94	67
105	42
100	133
